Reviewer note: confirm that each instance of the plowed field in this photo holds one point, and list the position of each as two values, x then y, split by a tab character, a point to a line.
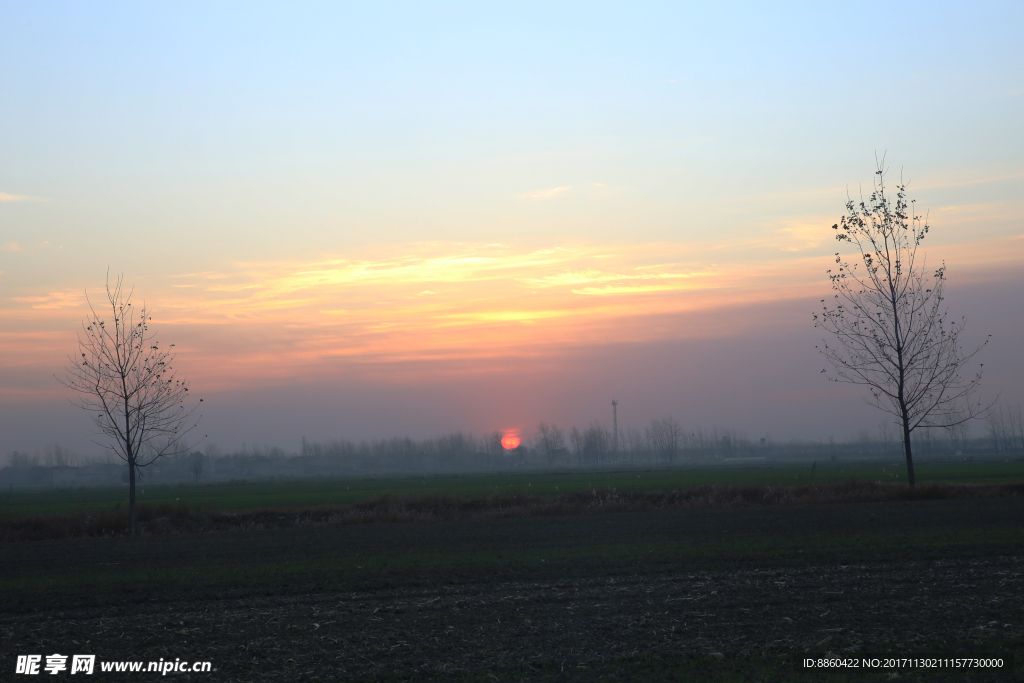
713	594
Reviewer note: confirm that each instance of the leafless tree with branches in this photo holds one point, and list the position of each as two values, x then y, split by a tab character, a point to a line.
126	381
550	441
890	320
665	437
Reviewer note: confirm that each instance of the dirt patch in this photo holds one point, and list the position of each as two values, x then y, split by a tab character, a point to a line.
731	593
581	629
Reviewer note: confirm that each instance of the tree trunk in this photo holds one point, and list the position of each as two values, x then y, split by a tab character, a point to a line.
131	497
906	448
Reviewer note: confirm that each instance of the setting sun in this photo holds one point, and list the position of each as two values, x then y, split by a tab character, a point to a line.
510	441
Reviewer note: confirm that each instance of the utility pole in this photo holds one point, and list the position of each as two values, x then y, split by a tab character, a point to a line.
615	425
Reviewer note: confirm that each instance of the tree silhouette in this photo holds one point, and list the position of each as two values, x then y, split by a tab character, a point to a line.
665	437
196	461
126	381
550	441
890	320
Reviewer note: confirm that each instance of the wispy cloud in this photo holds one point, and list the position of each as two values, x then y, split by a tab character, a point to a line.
7	197
460	301
545	194
373	311
804	233
53	300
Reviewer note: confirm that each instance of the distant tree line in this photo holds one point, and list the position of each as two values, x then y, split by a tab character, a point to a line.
663	442
1006	429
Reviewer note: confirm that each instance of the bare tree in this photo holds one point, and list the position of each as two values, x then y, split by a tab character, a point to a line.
550	441
1018	431
597	442
665	436
892	325
576	437
1004	428
23	460
959	435
493	444
56	456
126	381
196	461
635	443
885	438
997	428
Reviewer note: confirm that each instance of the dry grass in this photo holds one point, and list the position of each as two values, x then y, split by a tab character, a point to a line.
171	518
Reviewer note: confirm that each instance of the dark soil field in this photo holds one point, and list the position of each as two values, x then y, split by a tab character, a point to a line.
728	594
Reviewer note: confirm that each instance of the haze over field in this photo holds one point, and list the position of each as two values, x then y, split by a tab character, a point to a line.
402	220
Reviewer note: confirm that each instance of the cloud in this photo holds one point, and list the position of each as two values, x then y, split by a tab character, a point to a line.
374	311
805	233
53	300
7	197
617	290
545	194
601	190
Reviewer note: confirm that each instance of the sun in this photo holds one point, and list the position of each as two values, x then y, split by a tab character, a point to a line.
510	441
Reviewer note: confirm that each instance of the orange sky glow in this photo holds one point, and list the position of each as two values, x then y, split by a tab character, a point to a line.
435	302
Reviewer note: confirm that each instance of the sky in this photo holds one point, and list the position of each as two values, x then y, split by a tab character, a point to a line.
414	218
